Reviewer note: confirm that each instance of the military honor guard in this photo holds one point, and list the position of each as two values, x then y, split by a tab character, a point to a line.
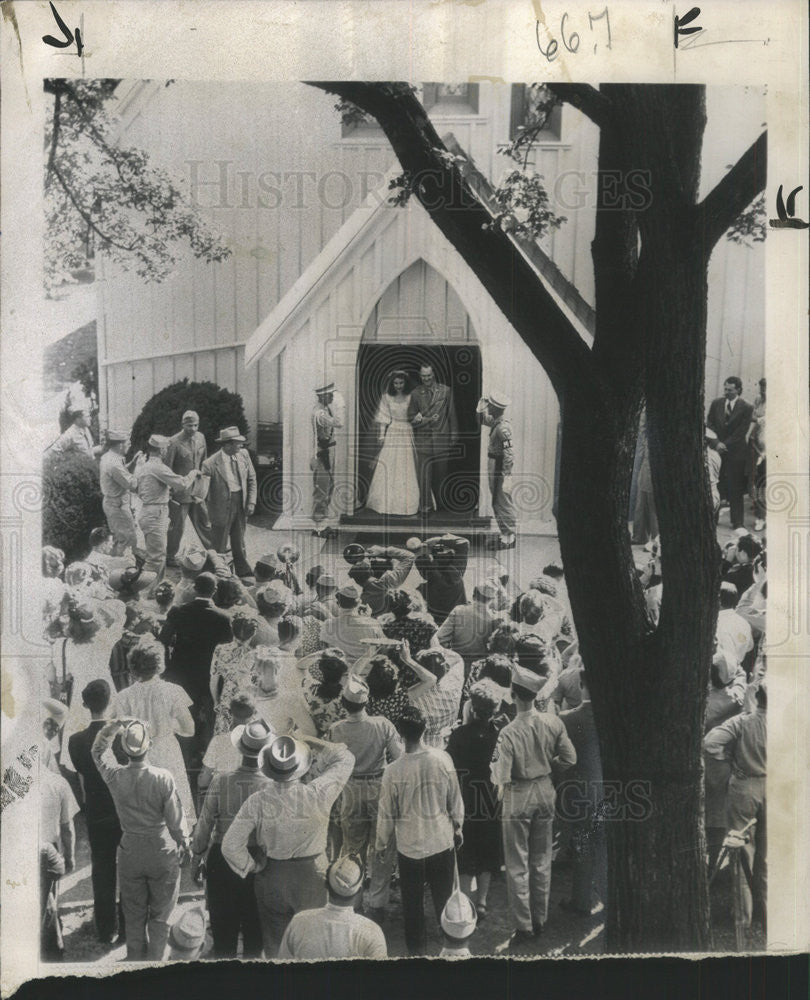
325	419
500	462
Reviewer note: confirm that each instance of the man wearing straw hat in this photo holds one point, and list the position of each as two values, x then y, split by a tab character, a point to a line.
187	937
324	422
335	930
500	461
231	899
289	820
117	482
187	450
155	483
231	497
153	842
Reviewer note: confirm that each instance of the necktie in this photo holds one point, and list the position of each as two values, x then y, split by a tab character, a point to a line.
728	409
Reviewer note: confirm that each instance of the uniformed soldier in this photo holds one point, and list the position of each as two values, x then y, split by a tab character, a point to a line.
117	482
155	483
521	770
77	437
500	461
324	422
187	450
335	930
153	842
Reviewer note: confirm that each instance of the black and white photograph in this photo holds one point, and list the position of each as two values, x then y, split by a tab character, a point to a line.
404	513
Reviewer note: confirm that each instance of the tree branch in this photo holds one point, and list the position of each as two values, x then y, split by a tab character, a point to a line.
443	190
57	105
733	193
86	215
585	98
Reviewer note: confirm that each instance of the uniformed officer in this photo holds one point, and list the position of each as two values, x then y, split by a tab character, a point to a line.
187	450
117	482
491	410
153	842
77	437
335	930
521	770
324	422
155	483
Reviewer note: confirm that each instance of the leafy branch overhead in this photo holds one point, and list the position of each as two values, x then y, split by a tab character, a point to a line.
100	195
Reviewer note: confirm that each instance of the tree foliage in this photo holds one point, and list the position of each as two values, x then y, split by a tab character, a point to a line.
71	502
163	413
101	195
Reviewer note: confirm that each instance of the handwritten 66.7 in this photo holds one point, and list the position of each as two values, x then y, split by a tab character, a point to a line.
570	38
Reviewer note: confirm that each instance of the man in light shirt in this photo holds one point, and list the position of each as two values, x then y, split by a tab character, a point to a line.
733	631
117	482
420	801
289	821
374	742
77	437
521	767
187	450
335	930
468	626
348	628
155	483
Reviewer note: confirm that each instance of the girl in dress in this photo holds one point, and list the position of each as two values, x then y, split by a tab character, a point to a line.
394	487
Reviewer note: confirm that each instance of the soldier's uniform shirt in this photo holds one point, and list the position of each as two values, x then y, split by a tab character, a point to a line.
372	740
115	481
742	741
332	932
324	423
527	746
500	444
156	481
75	439
184	455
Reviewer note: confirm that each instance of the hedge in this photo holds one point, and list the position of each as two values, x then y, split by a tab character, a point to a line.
71	502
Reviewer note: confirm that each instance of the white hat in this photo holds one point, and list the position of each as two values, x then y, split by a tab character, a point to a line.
709	434
355	690
285	759
188	931
458	916
230	434
56	710
135	739
527	678
499	400
158	441
345	876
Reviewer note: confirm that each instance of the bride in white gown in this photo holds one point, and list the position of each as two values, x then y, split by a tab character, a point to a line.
394	487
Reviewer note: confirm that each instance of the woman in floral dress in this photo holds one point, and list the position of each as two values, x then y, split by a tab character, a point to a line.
233	669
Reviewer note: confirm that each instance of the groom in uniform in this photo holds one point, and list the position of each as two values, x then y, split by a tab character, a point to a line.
435	430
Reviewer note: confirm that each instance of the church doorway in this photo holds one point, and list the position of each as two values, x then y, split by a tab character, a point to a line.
457	365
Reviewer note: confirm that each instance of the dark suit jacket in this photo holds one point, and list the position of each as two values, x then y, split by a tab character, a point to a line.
436	435
190	632
731	434
98	803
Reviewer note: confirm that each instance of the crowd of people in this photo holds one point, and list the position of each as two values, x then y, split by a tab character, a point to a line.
305	748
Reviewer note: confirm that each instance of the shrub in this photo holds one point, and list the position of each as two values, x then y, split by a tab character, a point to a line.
162	414
71	502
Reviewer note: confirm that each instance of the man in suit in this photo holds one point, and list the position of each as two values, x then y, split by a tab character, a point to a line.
435	429
103	828
187	450
730	417
231	497
190	633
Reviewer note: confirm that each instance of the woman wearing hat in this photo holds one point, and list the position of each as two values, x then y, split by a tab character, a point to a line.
394	487
165	709
323	688
82	657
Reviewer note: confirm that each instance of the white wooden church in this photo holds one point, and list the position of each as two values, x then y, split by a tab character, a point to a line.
328	282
